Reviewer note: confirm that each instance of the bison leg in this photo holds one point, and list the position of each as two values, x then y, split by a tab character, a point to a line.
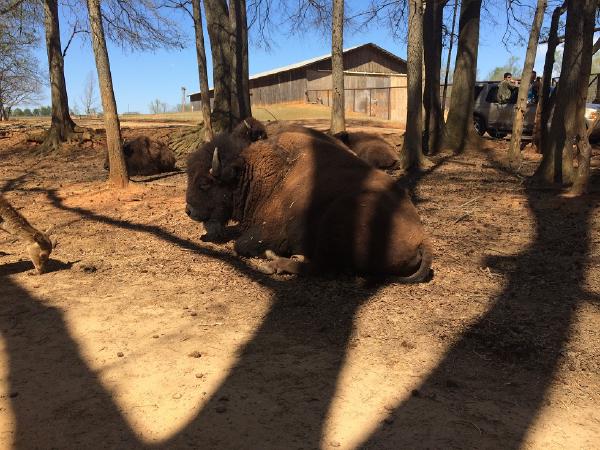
295	265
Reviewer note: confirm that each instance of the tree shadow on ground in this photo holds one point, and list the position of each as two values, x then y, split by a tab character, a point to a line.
277	395
492	383
279	392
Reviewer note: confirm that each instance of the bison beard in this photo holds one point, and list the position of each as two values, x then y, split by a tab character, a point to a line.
308	204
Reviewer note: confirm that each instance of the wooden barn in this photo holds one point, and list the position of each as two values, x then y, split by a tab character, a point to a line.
374	81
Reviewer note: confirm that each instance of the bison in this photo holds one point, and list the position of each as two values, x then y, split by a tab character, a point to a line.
371	148
144	156
303	200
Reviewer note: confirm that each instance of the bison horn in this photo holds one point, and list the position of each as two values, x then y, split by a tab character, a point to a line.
215	170
247	125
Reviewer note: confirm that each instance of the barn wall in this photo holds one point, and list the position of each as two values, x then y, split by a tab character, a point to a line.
322	80
281	87
398	99
365	59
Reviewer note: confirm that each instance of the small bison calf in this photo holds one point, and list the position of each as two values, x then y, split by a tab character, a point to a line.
39	245
145	156
370	148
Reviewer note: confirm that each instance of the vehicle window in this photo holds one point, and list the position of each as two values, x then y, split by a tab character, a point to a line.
478	90
492	95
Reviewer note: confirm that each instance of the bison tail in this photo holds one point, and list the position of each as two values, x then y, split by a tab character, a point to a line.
424	269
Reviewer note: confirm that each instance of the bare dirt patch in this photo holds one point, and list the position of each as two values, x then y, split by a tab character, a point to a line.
144	336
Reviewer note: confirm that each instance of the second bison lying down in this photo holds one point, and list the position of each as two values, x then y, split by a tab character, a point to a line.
371	148
144	156
304	197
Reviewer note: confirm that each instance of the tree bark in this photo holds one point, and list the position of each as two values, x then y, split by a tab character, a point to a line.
571	91
412	148
432	49
240	92
459	126
583	33
202	70
62	126
219	32
338	116
455	9
514	150
117	168
540	132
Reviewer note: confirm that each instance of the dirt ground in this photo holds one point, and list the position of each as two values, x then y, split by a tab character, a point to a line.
143	336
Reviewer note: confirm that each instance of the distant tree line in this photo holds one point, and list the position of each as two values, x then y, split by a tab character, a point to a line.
36	112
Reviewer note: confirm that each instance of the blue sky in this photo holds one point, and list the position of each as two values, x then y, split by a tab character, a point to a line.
140	77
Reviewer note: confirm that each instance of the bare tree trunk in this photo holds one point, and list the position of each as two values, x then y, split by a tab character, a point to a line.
572	89
540	133
219	32
240	92
449	56
514	151
459	126
412	148
202	70
582	34
338	117
61	126
118	170
432	49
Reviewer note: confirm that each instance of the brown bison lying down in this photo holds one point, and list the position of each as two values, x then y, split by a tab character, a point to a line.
371	148
144	156
308	204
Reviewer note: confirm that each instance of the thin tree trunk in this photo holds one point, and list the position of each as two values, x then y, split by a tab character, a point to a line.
202	70
338	118
572	88
583	36
432	49
459	126
449	56
412	148
514	151
118	170
540	133
240	92
62	126
219	32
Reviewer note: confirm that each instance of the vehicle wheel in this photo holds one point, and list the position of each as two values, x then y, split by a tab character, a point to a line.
479	125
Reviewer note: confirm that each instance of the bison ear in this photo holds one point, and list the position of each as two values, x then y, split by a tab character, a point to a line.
215	169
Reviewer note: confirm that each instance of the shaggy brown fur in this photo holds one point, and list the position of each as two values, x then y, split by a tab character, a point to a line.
39	245
300	192
371	148
250	130
144	156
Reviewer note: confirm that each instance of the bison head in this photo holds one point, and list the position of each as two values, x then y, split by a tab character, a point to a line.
212	174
